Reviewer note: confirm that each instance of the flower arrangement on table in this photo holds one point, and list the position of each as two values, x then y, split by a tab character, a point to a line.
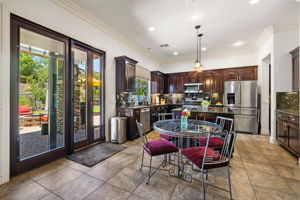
184	116
185	113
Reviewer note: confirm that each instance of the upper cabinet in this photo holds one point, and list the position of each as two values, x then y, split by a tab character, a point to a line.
176	83
240	74
295	69
213	81
157	82
193	77
125	74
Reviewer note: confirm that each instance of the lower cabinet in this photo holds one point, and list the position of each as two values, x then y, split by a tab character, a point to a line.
288	133
294	142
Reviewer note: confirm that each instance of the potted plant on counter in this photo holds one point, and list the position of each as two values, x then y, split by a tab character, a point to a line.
205	104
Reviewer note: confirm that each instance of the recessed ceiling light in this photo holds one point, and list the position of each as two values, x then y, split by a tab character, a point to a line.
237	44
175	53
195	17
151	28
253	2
204	49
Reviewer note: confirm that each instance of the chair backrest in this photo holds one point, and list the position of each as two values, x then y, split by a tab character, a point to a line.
141	132
162	116
224	155
225	123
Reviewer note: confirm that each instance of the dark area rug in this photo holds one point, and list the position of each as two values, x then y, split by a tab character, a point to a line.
95	154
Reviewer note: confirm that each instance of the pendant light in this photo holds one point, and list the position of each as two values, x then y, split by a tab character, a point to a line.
198	65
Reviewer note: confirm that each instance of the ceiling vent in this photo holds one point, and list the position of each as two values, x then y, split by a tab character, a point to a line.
164	45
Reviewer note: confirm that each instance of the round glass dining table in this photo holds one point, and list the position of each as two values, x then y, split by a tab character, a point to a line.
182	135
193	128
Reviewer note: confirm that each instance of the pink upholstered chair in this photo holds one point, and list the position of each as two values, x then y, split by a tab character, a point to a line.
217	142
206	158
154	148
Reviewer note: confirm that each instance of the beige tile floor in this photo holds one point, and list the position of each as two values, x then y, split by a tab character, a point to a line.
259	171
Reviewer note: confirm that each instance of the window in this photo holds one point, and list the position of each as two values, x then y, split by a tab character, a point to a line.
142	93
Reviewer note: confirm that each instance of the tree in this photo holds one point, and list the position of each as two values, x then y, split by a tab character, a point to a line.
34	72
30	64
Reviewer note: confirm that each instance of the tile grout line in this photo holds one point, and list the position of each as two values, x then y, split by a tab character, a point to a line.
248	178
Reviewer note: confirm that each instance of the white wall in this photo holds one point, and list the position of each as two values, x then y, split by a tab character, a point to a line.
284	42
209	62
1	150
275	51
54	17
265	57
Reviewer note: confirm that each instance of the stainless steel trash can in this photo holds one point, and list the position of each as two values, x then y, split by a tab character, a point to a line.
118	130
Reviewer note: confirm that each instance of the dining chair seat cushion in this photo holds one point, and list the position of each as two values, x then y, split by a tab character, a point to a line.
166	137
213	142
196	154
160	147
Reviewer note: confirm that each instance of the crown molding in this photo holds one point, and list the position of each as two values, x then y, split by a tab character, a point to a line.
266	34
96	22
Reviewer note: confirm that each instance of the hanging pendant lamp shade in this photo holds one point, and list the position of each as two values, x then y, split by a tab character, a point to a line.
198	65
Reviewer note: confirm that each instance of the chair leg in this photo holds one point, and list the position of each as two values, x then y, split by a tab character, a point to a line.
149	170
203	184
178	163
142	160
229	182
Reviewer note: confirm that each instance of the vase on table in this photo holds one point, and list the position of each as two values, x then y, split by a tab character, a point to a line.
184	122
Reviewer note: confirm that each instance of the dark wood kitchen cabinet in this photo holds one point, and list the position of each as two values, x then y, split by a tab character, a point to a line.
288	134
125	74
176	83
295	69
213	82
218	83
157	82
208	81
193	77
240	74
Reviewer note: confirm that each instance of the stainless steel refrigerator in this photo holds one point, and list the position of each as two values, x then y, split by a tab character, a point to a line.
241	97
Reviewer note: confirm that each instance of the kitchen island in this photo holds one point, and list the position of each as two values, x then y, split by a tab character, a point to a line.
209	114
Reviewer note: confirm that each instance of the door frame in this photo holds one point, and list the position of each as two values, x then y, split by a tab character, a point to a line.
16	166
90	129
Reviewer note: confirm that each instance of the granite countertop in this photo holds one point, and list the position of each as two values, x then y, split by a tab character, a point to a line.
151	105
289	111
222	110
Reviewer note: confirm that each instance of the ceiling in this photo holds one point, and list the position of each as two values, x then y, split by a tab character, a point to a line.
224	22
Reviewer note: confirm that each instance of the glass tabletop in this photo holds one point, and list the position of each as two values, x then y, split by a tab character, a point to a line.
194	128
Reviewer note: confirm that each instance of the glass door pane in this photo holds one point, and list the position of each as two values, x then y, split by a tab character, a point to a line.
41	94
97	85
80	95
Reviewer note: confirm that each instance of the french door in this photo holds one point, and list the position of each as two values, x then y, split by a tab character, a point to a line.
88	92
56	95
39	96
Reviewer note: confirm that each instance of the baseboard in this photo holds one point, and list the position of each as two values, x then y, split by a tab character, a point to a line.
273	140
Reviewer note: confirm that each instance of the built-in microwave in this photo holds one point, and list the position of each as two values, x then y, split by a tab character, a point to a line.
193	88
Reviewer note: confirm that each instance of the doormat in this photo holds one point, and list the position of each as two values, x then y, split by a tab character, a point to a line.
95	154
